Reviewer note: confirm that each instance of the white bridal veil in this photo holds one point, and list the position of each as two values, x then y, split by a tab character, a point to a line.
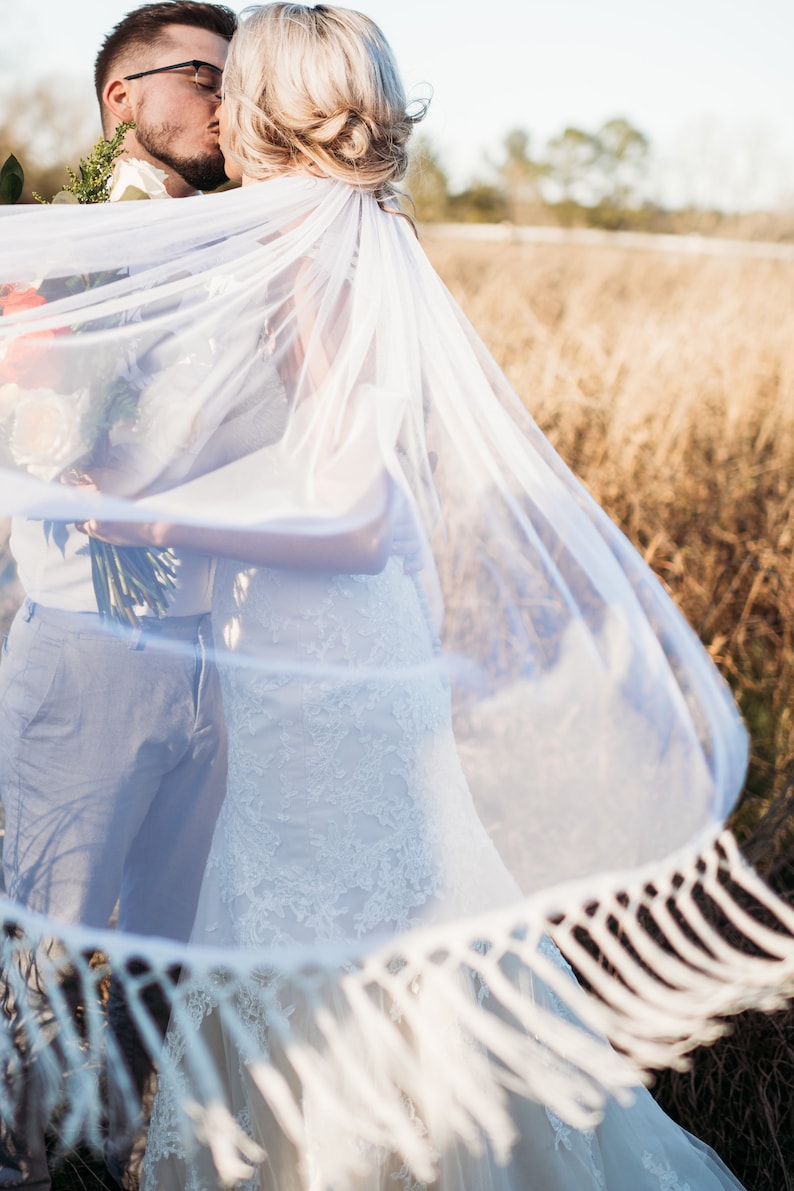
283	358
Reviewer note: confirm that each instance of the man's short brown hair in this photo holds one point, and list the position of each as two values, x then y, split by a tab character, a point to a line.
145	27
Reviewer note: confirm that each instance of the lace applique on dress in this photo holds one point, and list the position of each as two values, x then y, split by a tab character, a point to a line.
333	828
404	1180
668	1179
562	1132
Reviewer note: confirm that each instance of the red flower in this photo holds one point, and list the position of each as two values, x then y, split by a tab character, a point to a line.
27	359
13	300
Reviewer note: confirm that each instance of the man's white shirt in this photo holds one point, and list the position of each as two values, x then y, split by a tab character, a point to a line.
53	559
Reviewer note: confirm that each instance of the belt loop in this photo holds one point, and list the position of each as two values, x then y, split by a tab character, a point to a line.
135	639
30	608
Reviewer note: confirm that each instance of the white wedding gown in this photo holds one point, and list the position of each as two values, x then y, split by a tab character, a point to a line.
347	818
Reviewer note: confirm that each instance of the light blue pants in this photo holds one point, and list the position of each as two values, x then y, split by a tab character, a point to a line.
112	772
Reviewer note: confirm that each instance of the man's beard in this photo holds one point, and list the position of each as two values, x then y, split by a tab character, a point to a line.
202	171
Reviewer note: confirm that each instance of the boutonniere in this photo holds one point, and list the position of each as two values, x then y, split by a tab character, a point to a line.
103	176
135	179
92	181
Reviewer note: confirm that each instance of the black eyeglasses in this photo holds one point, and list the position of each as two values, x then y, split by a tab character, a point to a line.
206	77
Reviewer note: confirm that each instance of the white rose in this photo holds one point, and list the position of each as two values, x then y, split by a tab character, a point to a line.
170	416
140	175
48	431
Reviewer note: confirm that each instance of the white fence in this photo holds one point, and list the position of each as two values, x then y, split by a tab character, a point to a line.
688	245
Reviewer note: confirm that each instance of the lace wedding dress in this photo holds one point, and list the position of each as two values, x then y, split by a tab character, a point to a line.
347	819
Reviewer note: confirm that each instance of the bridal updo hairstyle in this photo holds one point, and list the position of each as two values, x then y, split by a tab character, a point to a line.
316	90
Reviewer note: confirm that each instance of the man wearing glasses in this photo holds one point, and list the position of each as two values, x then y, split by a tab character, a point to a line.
150	809
161	68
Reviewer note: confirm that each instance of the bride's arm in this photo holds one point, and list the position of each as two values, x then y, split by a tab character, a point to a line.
361	551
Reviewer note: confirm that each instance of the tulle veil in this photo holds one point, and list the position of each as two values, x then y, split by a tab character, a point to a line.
263	359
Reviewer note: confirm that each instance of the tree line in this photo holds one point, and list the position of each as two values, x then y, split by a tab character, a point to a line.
581	177
597	178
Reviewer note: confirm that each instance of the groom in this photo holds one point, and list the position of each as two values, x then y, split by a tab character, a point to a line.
161	68
116	738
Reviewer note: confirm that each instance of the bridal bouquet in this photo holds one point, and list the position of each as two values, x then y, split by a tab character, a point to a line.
69	435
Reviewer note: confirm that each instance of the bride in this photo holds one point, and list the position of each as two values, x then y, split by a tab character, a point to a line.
437	765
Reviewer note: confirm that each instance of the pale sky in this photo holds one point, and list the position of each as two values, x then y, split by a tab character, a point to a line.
711	82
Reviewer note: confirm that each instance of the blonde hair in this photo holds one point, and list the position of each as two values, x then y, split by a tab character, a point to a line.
316	90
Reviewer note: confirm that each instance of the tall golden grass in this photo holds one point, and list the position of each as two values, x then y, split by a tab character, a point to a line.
667	384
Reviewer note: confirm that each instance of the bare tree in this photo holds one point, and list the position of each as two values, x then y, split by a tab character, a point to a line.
715	164
427	182
520	176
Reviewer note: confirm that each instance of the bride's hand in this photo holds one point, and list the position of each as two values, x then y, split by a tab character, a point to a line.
121	533
116	533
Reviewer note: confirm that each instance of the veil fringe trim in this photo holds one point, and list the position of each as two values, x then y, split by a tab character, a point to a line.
392	1052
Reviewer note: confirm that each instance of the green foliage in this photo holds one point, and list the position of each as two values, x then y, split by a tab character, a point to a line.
622	156
583	178
12	179
92	184
571	158
479	203
600	171
121	404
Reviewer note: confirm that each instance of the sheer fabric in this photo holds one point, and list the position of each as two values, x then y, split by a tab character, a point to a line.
432	767
264	357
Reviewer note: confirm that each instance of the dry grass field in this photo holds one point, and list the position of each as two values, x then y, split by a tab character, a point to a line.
667	384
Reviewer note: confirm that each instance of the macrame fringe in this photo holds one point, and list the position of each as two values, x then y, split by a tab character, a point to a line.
415	1047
